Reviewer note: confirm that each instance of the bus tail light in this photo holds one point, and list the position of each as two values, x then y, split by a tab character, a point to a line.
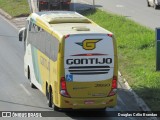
114	86
67	36
110	35
63	90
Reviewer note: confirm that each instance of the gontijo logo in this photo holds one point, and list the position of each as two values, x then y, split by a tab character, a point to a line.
89	44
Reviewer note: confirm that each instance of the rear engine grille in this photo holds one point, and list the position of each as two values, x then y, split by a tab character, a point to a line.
88	70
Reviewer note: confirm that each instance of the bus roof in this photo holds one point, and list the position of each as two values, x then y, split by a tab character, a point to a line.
55	17
66	22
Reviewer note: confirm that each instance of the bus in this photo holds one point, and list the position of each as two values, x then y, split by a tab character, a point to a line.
71	60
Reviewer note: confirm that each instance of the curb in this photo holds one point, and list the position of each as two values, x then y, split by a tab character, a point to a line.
6	15
143	106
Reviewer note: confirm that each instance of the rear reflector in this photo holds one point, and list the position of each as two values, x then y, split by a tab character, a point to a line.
112	92
66	36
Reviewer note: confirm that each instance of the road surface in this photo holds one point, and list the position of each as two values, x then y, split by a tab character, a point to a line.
136	10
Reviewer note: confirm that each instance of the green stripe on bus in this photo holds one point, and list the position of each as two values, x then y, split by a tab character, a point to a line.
35	65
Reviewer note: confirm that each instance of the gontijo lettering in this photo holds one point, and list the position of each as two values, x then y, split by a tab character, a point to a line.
89	61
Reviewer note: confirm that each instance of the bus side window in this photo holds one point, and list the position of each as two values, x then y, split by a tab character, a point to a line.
34	35
54	48
38	37
25	36
47	45
30	32
41	40
26	33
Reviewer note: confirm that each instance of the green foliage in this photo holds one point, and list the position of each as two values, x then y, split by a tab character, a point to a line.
136	52
15	8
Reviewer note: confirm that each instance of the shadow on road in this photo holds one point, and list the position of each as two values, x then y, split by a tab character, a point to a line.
25	105
150	96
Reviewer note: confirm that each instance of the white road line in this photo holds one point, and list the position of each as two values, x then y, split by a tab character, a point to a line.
2	17
119	6
25	89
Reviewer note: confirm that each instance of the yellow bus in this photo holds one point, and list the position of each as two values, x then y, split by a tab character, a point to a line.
71	60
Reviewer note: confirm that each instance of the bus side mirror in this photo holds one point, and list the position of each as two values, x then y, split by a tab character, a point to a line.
21	34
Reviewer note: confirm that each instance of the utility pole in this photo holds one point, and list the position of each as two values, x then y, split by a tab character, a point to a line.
93	4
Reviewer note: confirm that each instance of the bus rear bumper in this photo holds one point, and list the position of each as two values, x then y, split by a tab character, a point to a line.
88	103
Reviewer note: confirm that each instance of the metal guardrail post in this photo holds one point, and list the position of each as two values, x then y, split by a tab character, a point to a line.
157	49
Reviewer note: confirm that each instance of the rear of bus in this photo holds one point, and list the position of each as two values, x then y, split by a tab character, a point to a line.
89	80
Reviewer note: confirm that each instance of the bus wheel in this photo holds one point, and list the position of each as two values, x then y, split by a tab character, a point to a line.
50	98
155	6
32	85
47	93
56	108
29	78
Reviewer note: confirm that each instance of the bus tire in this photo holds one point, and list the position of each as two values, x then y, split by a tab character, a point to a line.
56	108
47	93
148	4
155	6
50	98
29	78
32	85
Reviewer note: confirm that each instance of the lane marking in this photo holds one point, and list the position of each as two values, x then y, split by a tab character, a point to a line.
119	6
9	22
25	89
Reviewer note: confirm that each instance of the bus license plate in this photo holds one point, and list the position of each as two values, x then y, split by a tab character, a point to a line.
88	102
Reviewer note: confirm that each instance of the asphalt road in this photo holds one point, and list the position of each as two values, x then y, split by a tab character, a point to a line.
136	10
15	91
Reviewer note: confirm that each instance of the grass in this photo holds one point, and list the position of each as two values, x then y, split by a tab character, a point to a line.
16	8
136	52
